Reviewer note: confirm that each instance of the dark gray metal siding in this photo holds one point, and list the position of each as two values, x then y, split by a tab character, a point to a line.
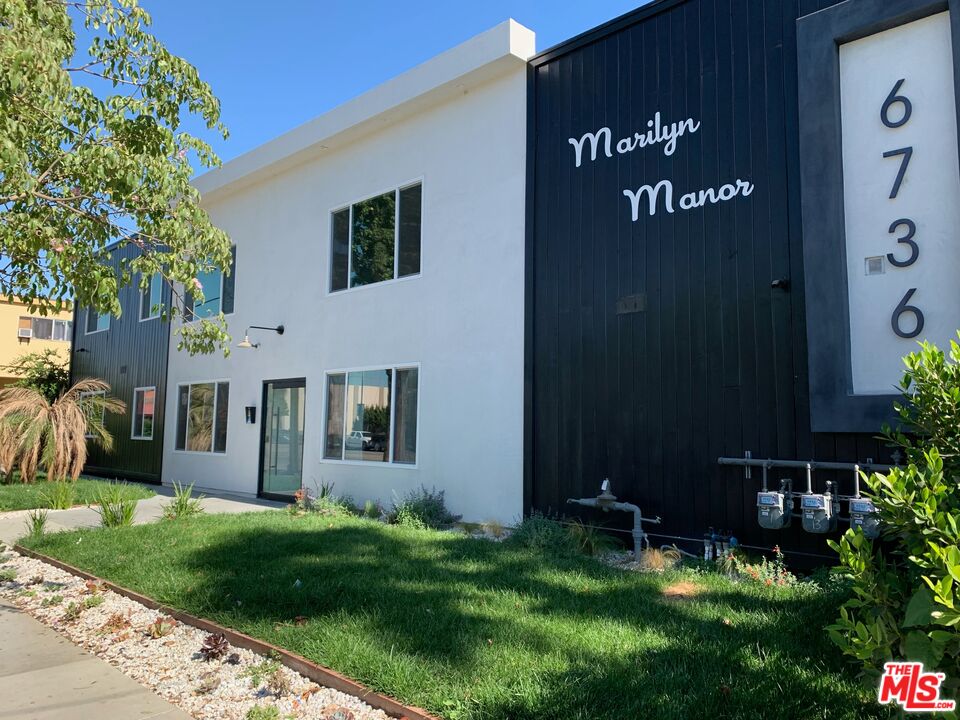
129	355
716	363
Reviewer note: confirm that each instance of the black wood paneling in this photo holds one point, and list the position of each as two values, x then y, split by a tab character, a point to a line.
129	355
716	362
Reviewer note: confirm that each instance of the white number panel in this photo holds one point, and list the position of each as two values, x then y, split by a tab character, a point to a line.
901	197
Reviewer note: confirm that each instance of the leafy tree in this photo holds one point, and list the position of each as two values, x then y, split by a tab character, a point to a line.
906	589
46	372
35	431
92	152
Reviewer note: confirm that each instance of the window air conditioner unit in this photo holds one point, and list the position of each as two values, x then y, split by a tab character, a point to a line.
25	333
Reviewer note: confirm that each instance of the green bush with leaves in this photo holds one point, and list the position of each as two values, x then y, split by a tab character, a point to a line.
422	508
539	532
906	588
47	372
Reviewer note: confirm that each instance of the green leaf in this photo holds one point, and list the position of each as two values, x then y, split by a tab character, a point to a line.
919	648
919	608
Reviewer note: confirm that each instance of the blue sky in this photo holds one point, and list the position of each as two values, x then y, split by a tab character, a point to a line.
276	65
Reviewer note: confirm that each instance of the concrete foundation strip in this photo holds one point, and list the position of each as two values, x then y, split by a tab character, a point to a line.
319	674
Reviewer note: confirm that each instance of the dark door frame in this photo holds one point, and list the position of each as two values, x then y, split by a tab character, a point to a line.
300	382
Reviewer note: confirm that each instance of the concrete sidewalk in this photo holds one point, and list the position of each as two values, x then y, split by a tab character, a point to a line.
13	524
44	676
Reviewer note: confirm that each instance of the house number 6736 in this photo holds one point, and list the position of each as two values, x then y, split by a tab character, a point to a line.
905	225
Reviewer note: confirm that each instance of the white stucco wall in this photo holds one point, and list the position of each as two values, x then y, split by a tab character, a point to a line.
461	319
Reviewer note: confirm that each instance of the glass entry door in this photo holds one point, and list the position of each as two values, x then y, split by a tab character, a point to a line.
281	447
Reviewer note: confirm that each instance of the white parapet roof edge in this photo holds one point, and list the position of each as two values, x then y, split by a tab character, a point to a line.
488	55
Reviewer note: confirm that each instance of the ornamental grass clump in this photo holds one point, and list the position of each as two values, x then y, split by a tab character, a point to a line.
183	504
116	510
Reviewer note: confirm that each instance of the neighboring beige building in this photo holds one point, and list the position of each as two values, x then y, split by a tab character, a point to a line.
23	331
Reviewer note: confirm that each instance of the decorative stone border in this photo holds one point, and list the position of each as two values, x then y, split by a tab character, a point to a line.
307	668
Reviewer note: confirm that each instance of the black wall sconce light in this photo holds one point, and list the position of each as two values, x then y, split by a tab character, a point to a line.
250	412
245	343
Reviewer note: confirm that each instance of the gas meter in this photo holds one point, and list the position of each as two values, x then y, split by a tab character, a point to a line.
863	514
819	512
774	509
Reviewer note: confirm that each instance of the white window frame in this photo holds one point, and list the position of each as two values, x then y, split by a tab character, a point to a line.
103	411
206	453
86	325
393	389
154	312
133	414
396	239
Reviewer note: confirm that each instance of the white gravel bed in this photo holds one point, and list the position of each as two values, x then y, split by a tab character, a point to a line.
115	629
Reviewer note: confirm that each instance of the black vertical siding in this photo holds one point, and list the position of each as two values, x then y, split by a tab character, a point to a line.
129	355
716	364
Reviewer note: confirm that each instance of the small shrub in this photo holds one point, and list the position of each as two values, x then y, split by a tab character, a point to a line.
263	712
8	575
92	601
765	572
333	505
655	560
115	509
115	623
161	627
59	495
208	683
183	504
494	529
371	509
51	601
590	540
72	612
214	647
538	532
260	672
302	502
423	508
279	683
36	524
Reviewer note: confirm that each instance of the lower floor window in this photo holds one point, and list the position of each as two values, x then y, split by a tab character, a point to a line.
372	415
202	417
144	405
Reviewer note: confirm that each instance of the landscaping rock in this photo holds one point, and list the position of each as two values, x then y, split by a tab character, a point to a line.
116	630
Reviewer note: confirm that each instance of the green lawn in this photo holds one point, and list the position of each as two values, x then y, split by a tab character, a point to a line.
86	491
473	629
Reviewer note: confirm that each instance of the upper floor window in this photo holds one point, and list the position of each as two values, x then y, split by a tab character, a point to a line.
46	328
151	298
97	322
376	239
218	291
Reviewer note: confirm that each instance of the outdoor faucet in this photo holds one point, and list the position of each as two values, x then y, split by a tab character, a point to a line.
607	501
